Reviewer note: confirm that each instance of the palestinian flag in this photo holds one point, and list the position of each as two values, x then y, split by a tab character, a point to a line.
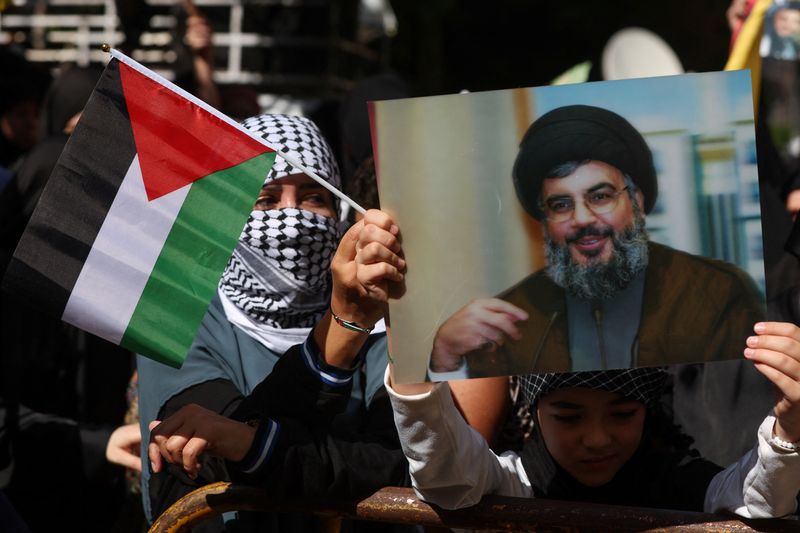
141	214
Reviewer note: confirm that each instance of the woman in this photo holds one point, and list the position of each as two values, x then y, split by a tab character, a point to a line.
275	287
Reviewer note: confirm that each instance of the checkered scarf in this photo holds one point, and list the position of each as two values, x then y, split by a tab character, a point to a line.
279	272
300	139
641	384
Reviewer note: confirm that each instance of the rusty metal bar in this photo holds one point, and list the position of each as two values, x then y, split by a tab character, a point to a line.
401	506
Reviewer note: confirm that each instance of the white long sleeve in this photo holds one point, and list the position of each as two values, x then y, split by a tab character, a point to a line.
450	463
764	483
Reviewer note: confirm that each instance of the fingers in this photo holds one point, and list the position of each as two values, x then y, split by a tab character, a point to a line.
168	446
169	438
775	352
778	360
373	237
782	329
375	217
153	452
373	275
123	447
493	319
501	323
128	460
190	455
780	353
788	387
379	256
483	324
375	252
501	306
179	449
777	345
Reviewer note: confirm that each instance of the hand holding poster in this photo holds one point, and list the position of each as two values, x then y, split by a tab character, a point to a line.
623	229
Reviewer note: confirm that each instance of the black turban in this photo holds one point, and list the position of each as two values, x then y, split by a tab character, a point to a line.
580	133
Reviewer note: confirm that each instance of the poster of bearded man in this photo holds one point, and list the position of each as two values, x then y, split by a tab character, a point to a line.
580	227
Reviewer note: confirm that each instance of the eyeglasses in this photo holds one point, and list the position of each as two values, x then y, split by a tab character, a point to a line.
599	201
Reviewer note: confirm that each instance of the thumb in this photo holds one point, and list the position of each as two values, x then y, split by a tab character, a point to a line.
346	251
154	455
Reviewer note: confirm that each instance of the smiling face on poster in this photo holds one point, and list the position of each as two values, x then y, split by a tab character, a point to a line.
580	227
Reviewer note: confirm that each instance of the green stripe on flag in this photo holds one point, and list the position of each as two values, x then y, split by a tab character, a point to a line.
187	271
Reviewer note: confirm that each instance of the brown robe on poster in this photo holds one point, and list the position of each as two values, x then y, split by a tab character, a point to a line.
694	309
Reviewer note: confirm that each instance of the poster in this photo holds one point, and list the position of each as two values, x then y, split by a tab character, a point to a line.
474	235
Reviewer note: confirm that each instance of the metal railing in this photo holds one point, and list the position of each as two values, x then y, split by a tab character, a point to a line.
400	506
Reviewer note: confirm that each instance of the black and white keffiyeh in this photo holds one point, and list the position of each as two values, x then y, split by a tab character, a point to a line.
300	139
279	271
641	384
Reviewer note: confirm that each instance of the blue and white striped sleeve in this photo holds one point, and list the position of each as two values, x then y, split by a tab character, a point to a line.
262	448
327	374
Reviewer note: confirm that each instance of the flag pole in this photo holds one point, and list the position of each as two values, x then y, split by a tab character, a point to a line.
192	98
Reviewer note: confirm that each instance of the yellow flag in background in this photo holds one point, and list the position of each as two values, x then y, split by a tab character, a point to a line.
745	52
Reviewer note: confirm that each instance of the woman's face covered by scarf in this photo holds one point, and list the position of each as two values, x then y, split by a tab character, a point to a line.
279	272
592	422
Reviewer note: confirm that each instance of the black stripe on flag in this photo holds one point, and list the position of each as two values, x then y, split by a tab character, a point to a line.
75	201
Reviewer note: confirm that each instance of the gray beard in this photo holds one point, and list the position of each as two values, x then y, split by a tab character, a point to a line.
598	280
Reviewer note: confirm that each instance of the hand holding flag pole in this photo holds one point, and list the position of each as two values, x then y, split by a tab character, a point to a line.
291	160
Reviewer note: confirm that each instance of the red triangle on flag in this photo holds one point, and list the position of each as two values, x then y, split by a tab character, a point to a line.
177	141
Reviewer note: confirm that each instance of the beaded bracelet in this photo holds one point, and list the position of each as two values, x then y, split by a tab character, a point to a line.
785	444
349	324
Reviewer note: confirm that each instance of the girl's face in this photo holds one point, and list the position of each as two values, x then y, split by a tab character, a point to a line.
590	433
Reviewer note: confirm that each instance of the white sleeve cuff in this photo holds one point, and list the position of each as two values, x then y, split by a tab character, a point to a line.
462	372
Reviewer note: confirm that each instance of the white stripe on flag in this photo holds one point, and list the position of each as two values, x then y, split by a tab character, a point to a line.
122	258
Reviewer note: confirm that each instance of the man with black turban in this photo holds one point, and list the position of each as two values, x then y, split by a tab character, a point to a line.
609	297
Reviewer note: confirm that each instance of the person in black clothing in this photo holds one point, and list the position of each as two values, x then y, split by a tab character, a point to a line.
59	387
